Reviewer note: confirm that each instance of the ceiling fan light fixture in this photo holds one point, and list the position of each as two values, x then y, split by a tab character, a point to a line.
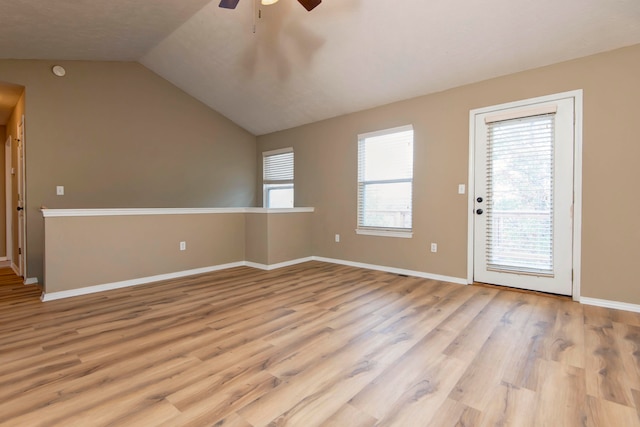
268	2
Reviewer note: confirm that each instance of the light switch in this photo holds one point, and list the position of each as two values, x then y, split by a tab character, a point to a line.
60	190
461	189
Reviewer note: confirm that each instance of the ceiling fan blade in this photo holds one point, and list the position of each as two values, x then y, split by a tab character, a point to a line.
229	4
309	4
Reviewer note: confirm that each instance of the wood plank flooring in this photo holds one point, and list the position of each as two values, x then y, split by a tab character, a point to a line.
314	345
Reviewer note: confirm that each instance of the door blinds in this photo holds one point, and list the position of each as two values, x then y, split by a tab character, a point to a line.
520	194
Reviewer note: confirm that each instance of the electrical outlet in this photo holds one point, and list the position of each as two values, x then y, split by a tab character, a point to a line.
434	247
337	238
60	190
183	246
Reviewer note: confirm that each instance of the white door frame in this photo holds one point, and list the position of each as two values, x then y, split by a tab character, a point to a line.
22	202
8	199
577	180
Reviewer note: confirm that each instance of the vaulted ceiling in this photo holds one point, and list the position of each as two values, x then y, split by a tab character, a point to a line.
299	67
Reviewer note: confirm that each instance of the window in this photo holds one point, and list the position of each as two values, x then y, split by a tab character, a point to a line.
385	182
277	178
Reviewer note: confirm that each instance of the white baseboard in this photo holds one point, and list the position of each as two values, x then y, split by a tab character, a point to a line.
278	265
157	278
51	296
394	270
134	282
15	269
610	304
3	258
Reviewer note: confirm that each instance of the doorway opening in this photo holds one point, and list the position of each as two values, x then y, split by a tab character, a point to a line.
13	216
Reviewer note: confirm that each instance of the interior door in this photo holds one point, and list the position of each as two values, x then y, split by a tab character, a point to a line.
523	199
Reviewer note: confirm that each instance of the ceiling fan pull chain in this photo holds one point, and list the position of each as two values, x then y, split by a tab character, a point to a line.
256	12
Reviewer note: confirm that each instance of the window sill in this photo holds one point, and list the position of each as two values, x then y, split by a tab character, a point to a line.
385	233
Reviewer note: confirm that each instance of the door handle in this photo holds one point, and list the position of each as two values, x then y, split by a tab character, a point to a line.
479	211
19	208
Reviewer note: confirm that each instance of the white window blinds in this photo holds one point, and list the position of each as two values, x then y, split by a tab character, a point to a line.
520	194
385	179
277	178
278	166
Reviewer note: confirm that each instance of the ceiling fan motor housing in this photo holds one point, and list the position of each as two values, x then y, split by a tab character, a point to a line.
229	4
308	4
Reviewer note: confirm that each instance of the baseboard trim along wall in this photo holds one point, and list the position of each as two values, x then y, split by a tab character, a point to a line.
134	282
150	279
394	270
28	280
610	304
51	296
278	265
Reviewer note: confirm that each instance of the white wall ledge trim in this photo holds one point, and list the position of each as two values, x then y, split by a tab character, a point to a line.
384	233
52	213
278	211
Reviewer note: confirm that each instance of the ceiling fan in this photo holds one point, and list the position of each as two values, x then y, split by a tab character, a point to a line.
308	4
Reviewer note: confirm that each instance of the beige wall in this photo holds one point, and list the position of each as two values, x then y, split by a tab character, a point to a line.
326	167
278	237
289	237
256	235
117	135
133	247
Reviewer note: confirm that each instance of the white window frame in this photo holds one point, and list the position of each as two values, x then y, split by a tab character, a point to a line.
406	233
268	185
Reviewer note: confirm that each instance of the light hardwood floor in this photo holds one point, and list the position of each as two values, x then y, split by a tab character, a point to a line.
314	345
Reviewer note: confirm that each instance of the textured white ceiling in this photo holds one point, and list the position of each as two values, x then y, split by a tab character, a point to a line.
349	55
121	30
299	66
